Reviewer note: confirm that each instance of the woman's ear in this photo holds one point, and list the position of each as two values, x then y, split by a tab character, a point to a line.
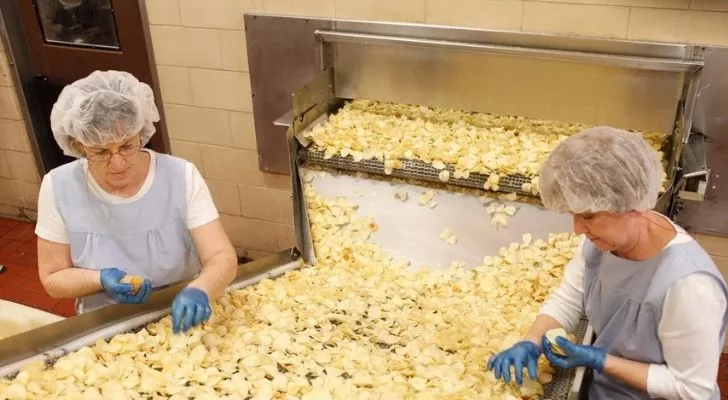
76	146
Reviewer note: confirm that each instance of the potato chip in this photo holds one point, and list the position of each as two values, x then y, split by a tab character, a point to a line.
134	280
358	324
551	336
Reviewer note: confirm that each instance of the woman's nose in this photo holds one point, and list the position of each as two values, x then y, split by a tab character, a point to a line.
117	162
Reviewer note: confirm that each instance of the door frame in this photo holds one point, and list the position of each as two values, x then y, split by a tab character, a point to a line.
22	69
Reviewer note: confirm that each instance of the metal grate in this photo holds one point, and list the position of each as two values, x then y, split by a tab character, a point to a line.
414	169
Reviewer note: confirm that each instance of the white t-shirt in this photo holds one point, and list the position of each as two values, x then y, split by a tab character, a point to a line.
200	206
689	330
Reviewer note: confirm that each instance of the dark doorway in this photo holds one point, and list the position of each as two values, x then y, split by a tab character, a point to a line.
65	40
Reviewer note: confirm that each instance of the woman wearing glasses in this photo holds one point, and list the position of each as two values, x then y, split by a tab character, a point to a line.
654	297
124	210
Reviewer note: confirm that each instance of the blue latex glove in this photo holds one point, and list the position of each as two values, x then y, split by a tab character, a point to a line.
522	354
123	292
576	355
190	308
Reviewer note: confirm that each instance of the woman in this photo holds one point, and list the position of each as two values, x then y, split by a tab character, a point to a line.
655	299
121	209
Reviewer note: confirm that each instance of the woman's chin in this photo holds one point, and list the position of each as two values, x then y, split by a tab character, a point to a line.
118	180
601	245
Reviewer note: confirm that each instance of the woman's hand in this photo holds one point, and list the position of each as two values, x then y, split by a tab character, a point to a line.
190	308
123	292
522	354
576	355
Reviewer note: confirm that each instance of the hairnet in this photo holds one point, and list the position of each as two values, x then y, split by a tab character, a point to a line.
104	107
601	169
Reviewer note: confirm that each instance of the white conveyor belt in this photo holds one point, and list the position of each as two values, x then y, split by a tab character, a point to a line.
410	231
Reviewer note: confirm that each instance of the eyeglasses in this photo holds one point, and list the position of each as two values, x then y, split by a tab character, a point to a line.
105	155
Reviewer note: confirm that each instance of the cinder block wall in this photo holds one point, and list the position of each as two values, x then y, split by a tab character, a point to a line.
19	179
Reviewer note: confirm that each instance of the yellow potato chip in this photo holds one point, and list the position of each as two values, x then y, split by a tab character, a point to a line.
552	334
135	281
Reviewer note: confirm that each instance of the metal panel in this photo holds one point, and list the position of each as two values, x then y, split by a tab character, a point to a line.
499	84
319	90
311	104
710	117
283	54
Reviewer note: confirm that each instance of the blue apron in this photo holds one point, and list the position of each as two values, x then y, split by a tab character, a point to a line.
147	237
623	300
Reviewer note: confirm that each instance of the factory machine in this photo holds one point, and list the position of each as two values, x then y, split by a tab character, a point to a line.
307	71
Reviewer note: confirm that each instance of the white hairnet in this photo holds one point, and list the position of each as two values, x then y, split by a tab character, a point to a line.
601	169
104	107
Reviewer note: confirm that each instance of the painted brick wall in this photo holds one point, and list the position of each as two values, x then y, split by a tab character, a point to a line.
19	180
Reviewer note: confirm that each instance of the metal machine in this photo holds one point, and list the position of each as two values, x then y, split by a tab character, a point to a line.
304	69
626	84
630	85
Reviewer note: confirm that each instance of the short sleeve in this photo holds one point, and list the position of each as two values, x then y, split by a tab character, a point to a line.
50	224
200	206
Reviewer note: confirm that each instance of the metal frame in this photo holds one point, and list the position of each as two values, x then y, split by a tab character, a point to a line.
703	165
648	63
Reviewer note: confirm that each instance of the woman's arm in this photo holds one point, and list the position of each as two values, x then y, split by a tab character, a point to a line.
58	276
55	268
630	372
564	308
690	330
218	257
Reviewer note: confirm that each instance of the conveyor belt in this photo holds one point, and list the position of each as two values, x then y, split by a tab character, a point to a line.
411	231
50	342
375	198
414	169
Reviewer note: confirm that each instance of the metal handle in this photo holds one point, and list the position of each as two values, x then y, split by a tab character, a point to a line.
649	63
